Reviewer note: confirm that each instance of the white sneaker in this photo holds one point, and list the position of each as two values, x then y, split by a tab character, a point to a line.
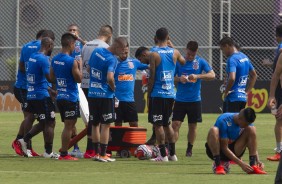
51	155
106	159
172	158
23	147
28	153
160	159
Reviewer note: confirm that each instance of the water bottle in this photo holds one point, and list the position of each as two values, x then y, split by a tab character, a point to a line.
273	110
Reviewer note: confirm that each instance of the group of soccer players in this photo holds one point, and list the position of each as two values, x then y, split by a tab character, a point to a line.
107	75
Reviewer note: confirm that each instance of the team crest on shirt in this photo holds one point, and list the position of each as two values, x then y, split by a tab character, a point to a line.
195	64
229	124
130	65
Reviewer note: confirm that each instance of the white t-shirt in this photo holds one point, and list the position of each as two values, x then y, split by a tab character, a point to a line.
86	54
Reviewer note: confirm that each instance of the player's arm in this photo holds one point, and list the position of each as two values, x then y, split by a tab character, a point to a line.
111	74
204	76
230	83
152	68
178	57
77	71
252	80
274	82
22	63
224	148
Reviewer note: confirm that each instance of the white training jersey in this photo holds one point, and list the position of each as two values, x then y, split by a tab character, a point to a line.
85	54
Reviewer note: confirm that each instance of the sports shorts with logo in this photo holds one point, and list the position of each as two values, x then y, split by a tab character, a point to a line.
101	110
68	110
43	109
192	109
160	111
21	96
235	106
126	112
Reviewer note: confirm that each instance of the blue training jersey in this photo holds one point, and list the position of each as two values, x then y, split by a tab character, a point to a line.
228	129
190	91
164	74
62	65
77	49
241	65
27	50
37	67
125	78
101	62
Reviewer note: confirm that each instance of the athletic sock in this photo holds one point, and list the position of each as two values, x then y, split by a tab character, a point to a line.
75	146
278	147
162	150
167	146
48	147
252	160
103	149
27	137
216	159
172	149
19	137
63	153
89	144
29	145
153	133
189	146
96	146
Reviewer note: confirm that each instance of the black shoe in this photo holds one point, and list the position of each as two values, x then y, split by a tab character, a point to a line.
188	153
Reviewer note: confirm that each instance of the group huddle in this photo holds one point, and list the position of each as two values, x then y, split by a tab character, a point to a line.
107	76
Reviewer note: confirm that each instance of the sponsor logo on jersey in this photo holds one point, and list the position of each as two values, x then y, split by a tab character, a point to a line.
165	51
96	85
30	88
32	60
100	56
166	75
229	124
243	60
96	74
30	78
59	63
62	82
243	80
166	86
125	77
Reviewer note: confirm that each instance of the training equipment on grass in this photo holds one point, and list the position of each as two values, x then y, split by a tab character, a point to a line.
145	152
125	140
83	105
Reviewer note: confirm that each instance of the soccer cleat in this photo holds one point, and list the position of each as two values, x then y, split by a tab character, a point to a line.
219	170
257	170
224	164
76	153
106	159
17	147
51	155
67	157
275	157
172	158
188	153
29	154
34	154
23	146
160	159
96	157
89	154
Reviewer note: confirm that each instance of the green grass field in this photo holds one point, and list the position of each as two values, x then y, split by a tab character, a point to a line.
15	169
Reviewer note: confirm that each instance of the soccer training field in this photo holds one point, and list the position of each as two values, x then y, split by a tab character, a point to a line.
20	170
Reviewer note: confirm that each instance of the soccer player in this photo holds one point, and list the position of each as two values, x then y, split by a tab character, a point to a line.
67	72
125	80
161	92
239	68
102	65
277	93
188	96
103	39
228	139
38	99
76	53
20	88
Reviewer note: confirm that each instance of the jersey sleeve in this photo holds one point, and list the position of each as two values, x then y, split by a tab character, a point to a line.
140	66
112	65
251	67
231	65
206	66
22	54
221	125
176	72
45	66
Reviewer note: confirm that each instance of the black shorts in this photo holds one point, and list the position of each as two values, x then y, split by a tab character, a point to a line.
192	109
235	106
278	95
160	111
43	109
101	110
126	112
68	110
223	157
21	96
85	91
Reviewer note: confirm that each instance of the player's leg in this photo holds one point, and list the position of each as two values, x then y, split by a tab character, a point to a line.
119	114
108	117
213	150
94	120
152	140
194	111
179	113
130	114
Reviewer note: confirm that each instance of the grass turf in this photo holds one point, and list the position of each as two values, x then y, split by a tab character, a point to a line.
15	169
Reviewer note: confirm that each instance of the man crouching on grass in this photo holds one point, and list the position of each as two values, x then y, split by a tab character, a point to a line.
228	139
